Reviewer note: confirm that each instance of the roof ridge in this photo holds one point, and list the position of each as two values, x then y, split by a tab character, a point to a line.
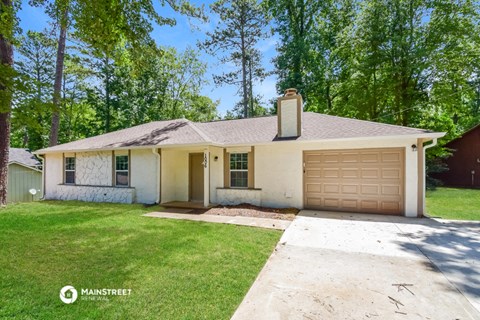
225	120
202	134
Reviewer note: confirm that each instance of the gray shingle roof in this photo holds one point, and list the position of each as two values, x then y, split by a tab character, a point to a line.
158	133
23	156
315	126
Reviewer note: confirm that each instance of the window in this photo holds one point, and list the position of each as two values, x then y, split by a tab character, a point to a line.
121	171
69	170
239	170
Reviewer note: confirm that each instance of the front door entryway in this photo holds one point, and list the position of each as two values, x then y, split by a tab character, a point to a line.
196	176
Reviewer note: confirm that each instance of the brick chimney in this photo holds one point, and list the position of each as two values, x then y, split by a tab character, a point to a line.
289	114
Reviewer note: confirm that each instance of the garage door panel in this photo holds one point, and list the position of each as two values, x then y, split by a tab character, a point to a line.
391	190
369	157
314	173
369	205
389	157
331	203
369	190
390	206
331	158
350	204
313	158
391	173
314	187
331	188
349	189
349	157
314	202
355	180
331	173
352	173
370	173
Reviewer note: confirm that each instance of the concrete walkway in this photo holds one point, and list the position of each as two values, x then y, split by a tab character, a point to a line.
238	220
353	266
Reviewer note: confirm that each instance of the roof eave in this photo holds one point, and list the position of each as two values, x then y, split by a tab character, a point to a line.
184	145
425	136
26	166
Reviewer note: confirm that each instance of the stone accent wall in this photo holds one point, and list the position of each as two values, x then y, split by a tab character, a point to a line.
237	196
94	168
94	194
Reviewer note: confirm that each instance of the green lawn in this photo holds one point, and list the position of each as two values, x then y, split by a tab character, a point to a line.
175	269
451	203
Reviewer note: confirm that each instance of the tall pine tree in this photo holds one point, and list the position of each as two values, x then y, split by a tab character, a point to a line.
242	25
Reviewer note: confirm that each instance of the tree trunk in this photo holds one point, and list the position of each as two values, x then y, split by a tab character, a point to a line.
107	95
252	111
6	59
57	87
244	65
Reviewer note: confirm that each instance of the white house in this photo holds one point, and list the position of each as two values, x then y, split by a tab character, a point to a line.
296	159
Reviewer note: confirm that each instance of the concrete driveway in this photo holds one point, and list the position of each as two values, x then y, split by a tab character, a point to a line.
354	266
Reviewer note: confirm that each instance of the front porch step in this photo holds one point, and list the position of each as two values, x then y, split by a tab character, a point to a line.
186	205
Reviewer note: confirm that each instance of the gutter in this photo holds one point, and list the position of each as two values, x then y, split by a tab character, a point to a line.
157	182
425	147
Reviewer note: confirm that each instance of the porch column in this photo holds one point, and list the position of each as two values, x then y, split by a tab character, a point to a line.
206	177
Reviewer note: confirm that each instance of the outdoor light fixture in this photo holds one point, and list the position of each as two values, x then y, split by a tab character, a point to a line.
414	147
216	158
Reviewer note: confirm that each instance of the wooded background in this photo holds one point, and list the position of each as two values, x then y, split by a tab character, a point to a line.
96	68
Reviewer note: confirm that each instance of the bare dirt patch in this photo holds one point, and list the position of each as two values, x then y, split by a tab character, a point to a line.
248	210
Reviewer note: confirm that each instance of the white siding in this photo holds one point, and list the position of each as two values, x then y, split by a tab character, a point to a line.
20	180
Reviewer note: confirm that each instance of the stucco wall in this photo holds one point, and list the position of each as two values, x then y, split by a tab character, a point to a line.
93	168
93	177
144	166
53	174
95	194
238	196
279	170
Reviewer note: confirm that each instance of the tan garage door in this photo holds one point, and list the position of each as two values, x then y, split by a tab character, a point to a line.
367	180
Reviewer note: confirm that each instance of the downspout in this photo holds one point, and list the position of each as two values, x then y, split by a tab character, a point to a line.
157	155
43	175
425	147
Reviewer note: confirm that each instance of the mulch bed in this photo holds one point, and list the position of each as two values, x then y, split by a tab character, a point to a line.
249	210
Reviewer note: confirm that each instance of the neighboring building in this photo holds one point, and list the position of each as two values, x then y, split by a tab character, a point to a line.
298	159
464	164
23	174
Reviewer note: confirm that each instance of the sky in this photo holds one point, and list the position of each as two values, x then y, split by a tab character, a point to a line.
186	33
